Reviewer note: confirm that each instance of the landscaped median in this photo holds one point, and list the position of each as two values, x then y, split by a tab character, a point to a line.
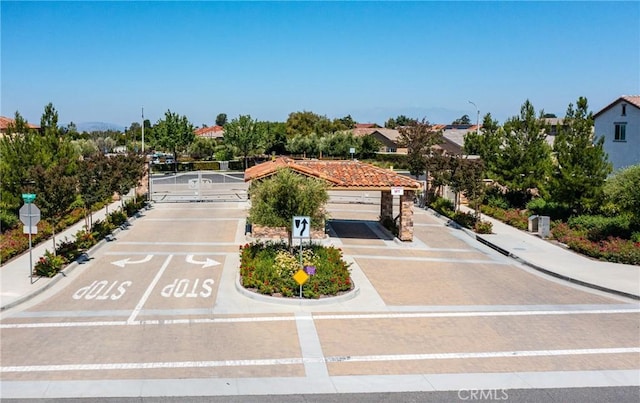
269	267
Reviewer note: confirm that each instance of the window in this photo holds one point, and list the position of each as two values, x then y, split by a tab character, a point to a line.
624	109
620	132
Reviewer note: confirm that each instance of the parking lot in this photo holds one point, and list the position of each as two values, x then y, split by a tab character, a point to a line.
162	302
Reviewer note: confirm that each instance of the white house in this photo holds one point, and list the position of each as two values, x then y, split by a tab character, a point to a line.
619	124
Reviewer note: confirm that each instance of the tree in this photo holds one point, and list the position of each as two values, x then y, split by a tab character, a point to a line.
56	188
345	123
202	148
486	143
244	135
525	161
467	178
221	119
305	123
418	138
464	120
173	133
622	190
581	166
402	120
49	119
275	137
94	183
390	124
276	200
368	146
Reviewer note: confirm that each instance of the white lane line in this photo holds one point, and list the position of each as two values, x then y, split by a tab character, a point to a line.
147	293
408	315
194	219
310	346
335	359
431	259
177	243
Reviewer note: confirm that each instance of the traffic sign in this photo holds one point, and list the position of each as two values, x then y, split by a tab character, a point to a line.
397	191
30	214
28	197
301	227
301	277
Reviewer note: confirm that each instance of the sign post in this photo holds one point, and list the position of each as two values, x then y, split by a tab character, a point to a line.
30	216
300	229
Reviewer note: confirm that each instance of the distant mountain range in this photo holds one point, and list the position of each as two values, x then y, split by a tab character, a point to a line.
97	127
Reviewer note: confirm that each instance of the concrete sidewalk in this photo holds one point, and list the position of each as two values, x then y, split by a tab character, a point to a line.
16	285
556	260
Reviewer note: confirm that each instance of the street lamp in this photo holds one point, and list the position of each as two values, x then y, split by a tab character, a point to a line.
477	118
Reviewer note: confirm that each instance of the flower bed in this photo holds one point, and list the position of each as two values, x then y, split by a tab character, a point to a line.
612	249
268	268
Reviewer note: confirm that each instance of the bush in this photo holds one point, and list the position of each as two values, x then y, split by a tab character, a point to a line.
483	227
554	210
598	228
69	250
49	264
442	206
117	218
611	249
7	220
268	268
467	220
101	229
206	166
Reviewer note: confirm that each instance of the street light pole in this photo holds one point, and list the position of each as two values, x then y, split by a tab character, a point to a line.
143	130
477	117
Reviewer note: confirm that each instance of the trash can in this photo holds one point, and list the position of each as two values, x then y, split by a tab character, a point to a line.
533	223
544	226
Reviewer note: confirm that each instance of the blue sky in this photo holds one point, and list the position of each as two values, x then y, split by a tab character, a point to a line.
104	61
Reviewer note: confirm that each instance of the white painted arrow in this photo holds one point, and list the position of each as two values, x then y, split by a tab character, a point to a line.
124	262
207	263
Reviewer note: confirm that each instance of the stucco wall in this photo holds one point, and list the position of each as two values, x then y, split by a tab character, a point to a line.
621	153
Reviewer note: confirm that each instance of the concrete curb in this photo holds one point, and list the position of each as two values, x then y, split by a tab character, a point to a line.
296	301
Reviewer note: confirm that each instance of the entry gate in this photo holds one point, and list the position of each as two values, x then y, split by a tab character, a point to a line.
198	186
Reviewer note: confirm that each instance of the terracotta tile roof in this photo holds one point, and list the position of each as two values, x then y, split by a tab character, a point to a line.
213	131
5	122
339	174
631	99
366	125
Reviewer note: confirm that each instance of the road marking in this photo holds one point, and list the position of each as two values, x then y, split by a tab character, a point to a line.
147	293
299	361
179	243
124	262
194	219
207	263
408	315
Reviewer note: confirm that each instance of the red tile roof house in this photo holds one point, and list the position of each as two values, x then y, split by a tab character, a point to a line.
352	175
6	122
213	132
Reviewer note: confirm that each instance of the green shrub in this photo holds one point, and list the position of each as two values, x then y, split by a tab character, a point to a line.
101	229
7	220
69	250
443	206
556	211
483	227
599	227
117	218
467	220
84	240
635	237
49	264
206	166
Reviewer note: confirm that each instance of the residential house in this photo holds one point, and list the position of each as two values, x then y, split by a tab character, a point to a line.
6	122
213	132
619	124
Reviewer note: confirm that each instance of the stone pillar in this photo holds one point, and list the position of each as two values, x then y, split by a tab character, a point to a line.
405	225
386	205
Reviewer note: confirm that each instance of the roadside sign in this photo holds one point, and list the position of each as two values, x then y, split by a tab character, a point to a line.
33	230
397	191
301	277
30	214
28	197
301	227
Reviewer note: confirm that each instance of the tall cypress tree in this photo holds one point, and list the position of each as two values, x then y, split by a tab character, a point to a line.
581	165
525	161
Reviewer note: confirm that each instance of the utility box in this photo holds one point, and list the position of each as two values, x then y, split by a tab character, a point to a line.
533	223
544	226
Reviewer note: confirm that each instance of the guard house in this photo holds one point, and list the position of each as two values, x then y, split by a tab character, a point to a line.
352	175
